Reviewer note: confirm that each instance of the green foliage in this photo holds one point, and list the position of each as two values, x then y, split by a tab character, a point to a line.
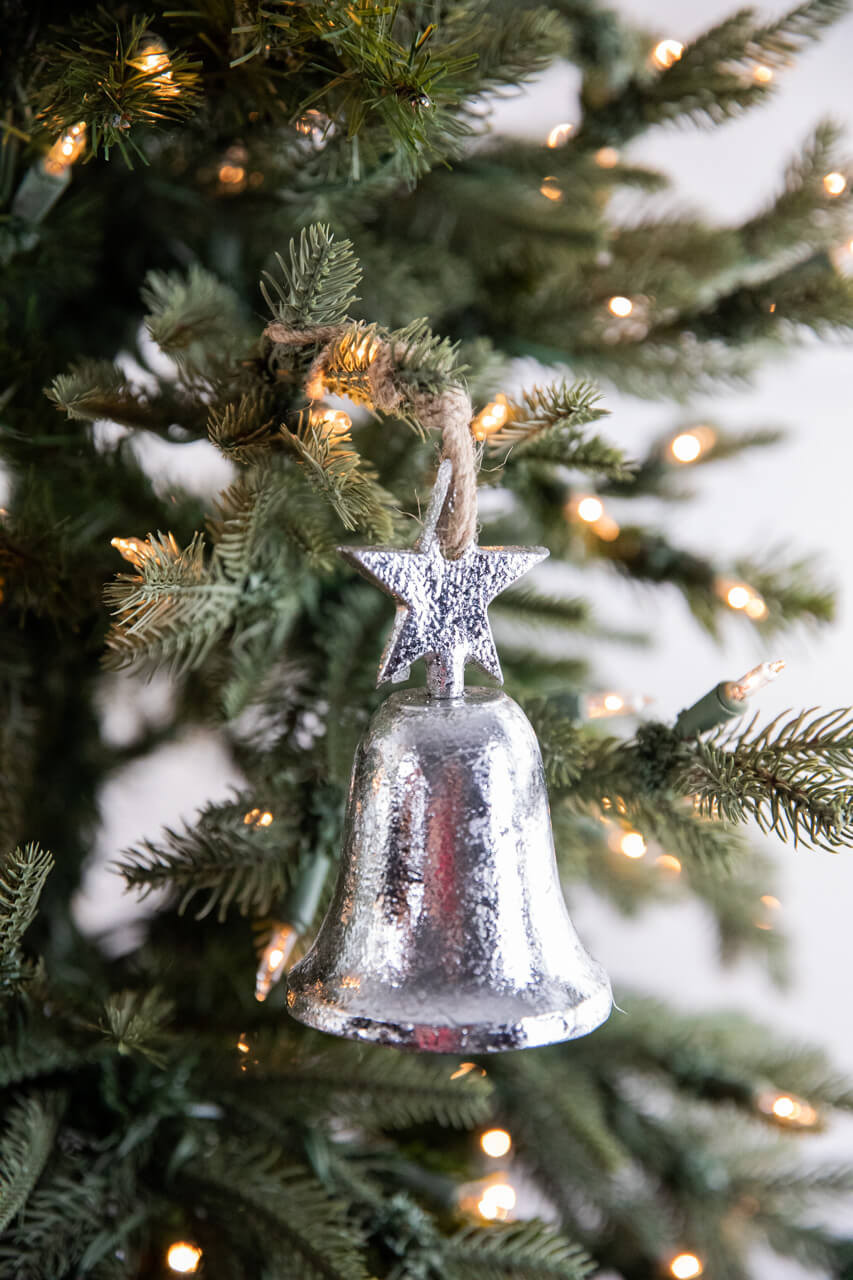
791	777
25	1147
545	426
223	857
135	1021
101	77
336	470
318	283
304	1230
22	878
523	1251
195	318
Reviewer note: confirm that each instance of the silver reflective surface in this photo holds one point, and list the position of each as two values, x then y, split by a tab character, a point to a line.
448	930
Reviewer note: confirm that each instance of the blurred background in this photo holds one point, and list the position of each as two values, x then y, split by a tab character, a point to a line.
795	496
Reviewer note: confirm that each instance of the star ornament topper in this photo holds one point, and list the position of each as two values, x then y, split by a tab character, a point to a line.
441	603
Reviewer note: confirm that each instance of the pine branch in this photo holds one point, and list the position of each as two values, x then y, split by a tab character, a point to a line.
288	1205
523	1251
195	319
22	878
372	1087
223	857
790	222
25	1147
793	780
98	389
545	426
317	286
135	1021
712	80
101	78
174	610
348	483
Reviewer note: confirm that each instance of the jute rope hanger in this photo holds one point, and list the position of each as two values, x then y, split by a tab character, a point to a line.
448	412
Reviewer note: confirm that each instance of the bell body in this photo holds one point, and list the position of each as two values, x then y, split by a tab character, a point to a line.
448	930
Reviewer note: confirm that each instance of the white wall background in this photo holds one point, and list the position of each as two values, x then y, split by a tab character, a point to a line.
798	493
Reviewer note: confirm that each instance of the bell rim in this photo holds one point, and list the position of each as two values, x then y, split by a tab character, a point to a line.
532	1031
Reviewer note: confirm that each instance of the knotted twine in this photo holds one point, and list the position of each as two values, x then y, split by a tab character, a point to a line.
449	412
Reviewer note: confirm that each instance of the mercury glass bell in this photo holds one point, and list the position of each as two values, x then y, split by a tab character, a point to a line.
448	930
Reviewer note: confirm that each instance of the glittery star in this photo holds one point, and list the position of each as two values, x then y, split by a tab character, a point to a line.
441	603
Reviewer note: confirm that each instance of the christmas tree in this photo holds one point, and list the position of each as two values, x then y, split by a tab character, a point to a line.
287	233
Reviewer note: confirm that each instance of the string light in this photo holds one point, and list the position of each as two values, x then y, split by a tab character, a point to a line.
495	1143
599	705
756	679
607	157
667	862
183	1257
788	1110
771	901
667	52
491	419
153	57
232	171
687	446
559	135
590	509
497	1202
332	425
550	190
686	1266
763	74
742	597
134	550
273	960
67	148
632	844
465	1069
243	1045
834	183
620	306
258	818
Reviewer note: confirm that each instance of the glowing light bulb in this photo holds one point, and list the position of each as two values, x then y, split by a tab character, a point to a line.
332	425
152	58
134	550
597	705
607	157
590	510
771	901
738	597
756	609
686	1266
834	183
550	190
788	1110
495	1142
758	678
690	445
465	1068
762	73
606	528
67	148
667	52
183	1257
667	862
620	306
243	1045
273	960
632	845
497	1201
491	419
559	135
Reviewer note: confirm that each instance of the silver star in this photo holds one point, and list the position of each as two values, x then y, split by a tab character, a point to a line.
441	604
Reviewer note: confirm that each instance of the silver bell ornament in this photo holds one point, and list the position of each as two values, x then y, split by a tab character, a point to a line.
448	930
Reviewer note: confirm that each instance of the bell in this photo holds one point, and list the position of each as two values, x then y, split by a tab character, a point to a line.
448	930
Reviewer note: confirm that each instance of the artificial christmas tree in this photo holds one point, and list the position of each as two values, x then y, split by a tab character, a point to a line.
158	1118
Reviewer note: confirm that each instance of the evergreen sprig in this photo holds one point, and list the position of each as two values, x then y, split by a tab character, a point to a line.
25	1147
317	284
545	425
22	878
792	778
520	1251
